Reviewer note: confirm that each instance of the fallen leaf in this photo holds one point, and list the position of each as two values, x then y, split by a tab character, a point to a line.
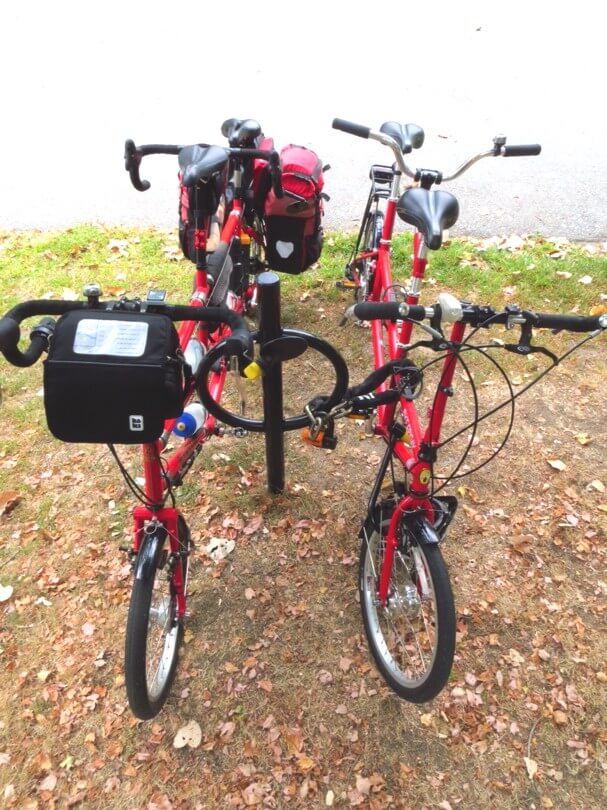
531	766
219	547
49	783
344	664
557	464
265	685
6	591
305	764
190	734
598	485
88	629
585	280
249	594
8	501
583	438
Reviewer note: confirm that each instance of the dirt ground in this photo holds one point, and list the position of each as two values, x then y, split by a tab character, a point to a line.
275	669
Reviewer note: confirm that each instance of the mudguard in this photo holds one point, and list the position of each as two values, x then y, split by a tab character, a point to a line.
421	530
147	557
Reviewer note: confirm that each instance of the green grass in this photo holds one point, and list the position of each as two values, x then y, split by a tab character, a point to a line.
34	264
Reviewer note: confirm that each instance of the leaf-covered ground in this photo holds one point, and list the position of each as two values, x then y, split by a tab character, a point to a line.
277	702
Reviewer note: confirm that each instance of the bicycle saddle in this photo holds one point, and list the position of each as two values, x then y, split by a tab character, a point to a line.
407	136
201	162
241	132
429	211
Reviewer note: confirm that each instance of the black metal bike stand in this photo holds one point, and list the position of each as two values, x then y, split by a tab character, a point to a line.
268	290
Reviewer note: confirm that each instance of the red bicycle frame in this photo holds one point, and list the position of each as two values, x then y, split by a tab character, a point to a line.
158	476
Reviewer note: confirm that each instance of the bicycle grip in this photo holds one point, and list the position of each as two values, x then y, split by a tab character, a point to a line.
569	323
387	311
132	159
523	150
9	334
351	128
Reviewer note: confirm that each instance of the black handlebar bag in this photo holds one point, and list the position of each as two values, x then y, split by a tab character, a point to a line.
113	377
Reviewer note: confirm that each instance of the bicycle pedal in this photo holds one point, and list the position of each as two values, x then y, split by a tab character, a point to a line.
346	285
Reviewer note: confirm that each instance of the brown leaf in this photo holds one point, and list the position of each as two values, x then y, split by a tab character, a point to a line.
305	764
344	664
294	740
265	684
8	501
560	718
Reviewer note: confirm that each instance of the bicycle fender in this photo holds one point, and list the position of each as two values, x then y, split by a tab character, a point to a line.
421	530
148	555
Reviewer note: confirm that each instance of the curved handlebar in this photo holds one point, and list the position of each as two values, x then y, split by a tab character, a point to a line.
239	342
499	149
133	155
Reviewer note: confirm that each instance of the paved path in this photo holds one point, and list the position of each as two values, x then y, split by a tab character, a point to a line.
76	83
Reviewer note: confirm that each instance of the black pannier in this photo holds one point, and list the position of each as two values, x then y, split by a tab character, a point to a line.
113	377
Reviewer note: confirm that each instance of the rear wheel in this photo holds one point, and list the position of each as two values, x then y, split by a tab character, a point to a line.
153	632
372	232
412	637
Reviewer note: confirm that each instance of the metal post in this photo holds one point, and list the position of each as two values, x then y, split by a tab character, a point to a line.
268	286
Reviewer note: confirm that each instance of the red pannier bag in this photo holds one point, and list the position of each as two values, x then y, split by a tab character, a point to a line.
294	234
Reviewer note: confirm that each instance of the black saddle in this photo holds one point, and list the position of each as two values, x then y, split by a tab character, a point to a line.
200	163
241	131
430	211
407	136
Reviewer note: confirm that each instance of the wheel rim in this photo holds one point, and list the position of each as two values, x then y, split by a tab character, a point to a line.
404	633
162	636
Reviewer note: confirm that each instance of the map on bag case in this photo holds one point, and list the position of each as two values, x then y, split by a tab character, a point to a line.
120	338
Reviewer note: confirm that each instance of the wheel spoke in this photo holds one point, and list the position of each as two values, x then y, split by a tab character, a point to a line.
405	634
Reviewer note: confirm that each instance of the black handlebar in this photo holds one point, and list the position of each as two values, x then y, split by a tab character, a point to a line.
523	150
133	155
481	316
387	311
240	342
351	128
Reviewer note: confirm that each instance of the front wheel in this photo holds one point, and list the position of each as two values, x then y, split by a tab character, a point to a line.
412	637
154	632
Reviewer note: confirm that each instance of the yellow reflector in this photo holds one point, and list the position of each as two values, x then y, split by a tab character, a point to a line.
253	371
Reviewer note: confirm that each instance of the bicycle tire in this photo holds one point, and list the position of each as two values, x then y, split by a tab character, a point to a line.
291	422
148	686
412	638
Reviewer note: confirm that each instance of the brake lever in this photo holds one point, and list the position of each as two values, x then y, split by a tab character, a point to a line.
524	347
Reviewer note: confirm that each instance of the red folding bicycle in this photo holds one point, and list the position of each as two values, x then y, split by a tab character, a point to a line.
405	593
119	373
406	597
